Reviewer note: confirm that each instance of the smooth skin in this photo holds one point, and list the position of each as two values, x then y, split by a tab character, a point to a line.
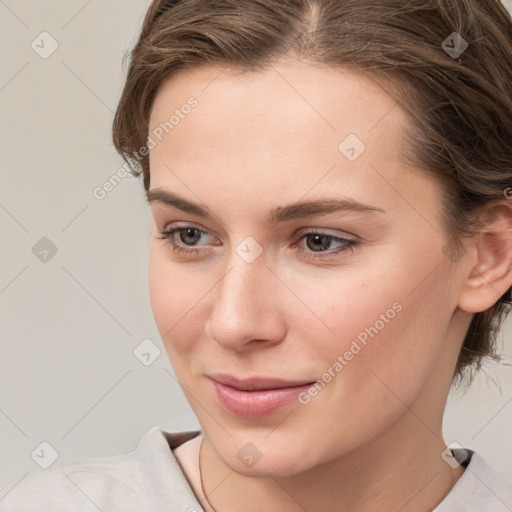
371	439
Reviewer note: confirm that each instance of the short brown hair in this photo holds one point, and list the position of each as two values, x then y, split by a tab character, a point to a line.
459	105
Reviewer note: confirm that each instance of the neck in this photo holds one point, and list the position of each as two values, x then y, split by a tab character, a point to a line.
401	469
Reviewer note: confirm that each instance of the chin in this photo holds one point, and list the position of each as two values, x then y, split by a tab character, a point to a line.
277	465
278	457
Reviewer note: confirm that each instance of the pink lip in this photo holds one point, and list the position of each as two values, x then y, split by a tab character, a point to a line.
255	397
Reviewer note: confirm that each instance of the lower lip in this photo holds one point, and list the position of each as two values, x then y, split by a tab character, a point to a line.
255	404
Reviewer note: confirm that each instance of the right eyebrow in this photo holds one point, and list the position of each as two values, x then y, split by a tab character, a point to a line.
162	196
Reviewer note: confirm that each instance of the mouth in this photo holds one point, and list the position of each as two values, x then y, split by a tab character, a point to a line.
255	397
256	383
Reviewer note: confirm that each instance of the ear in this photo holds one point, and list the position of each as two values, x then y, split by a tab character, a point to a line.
490	274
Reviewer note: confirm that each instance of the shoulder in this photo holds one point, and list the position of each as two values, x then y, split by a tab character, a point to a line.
481	487
83	485
141	480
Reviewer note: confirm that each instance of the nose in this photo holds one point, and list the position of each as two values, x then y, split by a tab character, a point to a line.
246	307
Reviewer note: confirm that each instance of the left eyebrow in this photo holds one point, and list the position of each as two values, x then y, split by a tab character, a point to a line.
292	211
320	206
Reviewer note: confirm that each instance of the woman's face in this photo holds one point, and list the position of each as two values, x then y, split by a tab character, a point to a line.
264	292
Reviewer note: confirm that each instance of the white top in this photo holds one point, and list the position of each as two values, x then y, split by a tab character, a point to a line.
150	479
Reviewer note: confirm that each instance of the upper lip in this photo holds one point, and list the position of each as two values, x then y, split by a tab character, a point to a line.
256	383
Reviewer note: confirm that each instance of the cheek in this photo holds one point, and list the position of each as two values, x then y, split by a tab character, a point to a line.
380	338
379	358
176	300
365	328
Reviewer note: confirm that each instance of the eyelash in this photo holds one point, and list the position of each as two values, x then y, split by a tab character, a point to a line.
347	247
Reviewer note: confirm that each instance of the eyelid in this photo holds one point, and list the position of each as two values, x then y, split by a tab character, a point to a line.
326	231
187	224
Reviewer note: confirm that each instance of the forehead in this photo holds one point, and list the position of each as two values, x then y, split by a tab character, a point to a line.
311	101
285	128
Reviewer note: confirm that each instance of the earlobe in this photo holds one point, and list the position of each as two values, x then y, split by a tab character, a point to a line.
491	276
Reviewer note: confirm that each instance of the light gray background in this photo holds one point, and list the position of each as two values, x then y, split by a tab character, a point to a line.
69	325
